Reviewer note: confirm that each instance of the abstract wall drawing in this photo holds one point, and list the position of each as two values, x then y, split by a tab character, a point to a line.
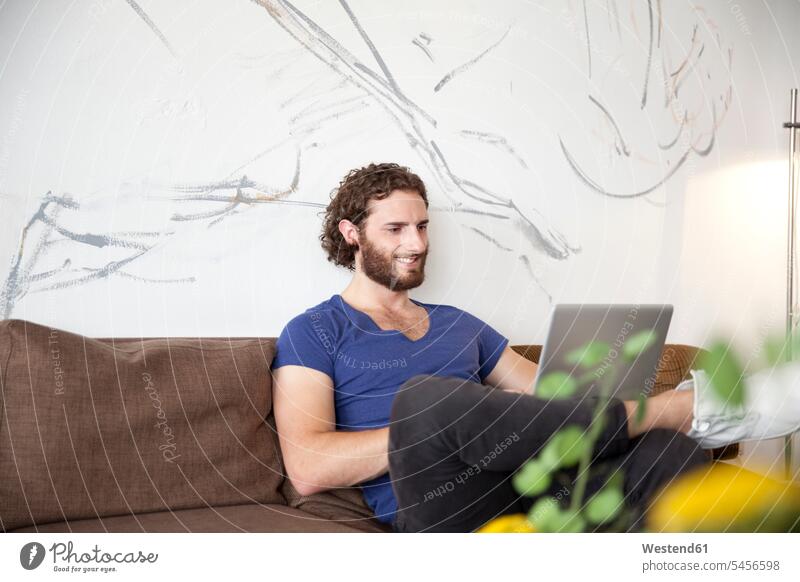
646	89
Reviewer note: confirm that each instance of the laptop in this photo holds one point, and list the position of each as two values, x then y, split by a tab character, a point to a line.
573	326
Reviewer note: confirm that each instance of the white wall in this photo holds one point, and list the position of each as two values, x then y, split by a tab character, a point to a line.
119	111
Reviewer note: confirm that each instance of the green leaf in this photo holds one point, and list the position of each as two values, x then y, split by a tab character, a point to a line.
542	512
556	385
600	422
565	521
604	506
795	343
725	372
641	409
638	343
532	479
549	457
616	480
775	351
567	446
589	355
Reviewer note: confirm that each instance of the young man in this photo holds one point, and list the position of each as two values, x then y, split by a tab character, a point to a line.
425	406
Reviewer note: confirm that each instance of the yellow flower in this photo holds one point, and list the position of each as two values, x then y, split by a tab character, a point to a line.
726	498
513	523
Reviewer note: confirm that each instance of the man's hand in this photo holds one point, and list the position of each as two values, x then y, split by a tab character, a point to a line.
513	373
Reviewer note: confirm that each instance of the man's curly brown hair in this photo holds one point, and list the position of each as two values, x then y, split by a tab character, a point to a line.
349	202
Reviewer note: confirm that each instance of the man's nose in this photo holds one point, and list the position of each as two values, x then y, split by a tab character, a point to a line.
415	240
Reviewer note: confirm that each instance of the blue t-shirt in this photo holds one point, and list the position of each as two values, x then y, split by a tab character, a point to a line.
368	364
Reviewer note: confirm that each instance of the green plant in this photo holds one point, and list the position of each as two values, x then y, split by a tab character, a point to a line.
573	445
726	370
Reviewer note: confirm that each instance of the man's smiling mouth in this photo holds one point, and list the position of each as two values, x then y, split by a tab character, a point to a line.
408	260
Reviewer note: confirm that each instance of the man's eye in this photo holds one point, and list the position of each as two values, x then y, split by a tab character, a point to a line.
423	227
395	229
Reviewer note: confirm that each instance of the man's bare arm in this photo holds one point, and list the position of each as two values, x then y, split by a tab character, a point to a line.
513	373
317	456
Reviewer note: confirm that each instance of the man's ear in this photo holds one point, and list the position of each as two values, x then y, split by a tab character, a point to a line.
349	232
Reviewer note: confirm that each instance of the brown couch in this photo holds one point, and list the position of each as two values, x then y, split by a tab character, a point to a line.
162	435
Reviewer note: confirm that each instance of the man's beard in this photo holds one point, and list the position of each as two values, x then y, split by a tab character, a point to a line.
383	270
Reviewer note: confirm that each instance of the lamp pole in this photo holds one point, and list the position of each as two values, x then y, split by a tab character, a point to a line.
792	125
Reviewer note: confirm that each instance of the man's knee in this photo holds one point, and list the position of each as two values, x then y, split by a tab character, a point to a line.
419	395
424	405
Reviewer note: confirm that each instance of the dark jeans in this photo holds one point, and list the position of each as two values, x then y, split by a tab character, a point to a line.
454	445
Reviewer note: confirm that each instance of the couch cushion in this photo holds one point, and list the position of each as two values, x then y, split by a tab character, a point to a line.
236	518
92	428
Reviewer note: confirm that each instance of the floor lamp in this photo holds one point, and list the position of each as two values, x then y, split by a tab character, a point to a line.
792	125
